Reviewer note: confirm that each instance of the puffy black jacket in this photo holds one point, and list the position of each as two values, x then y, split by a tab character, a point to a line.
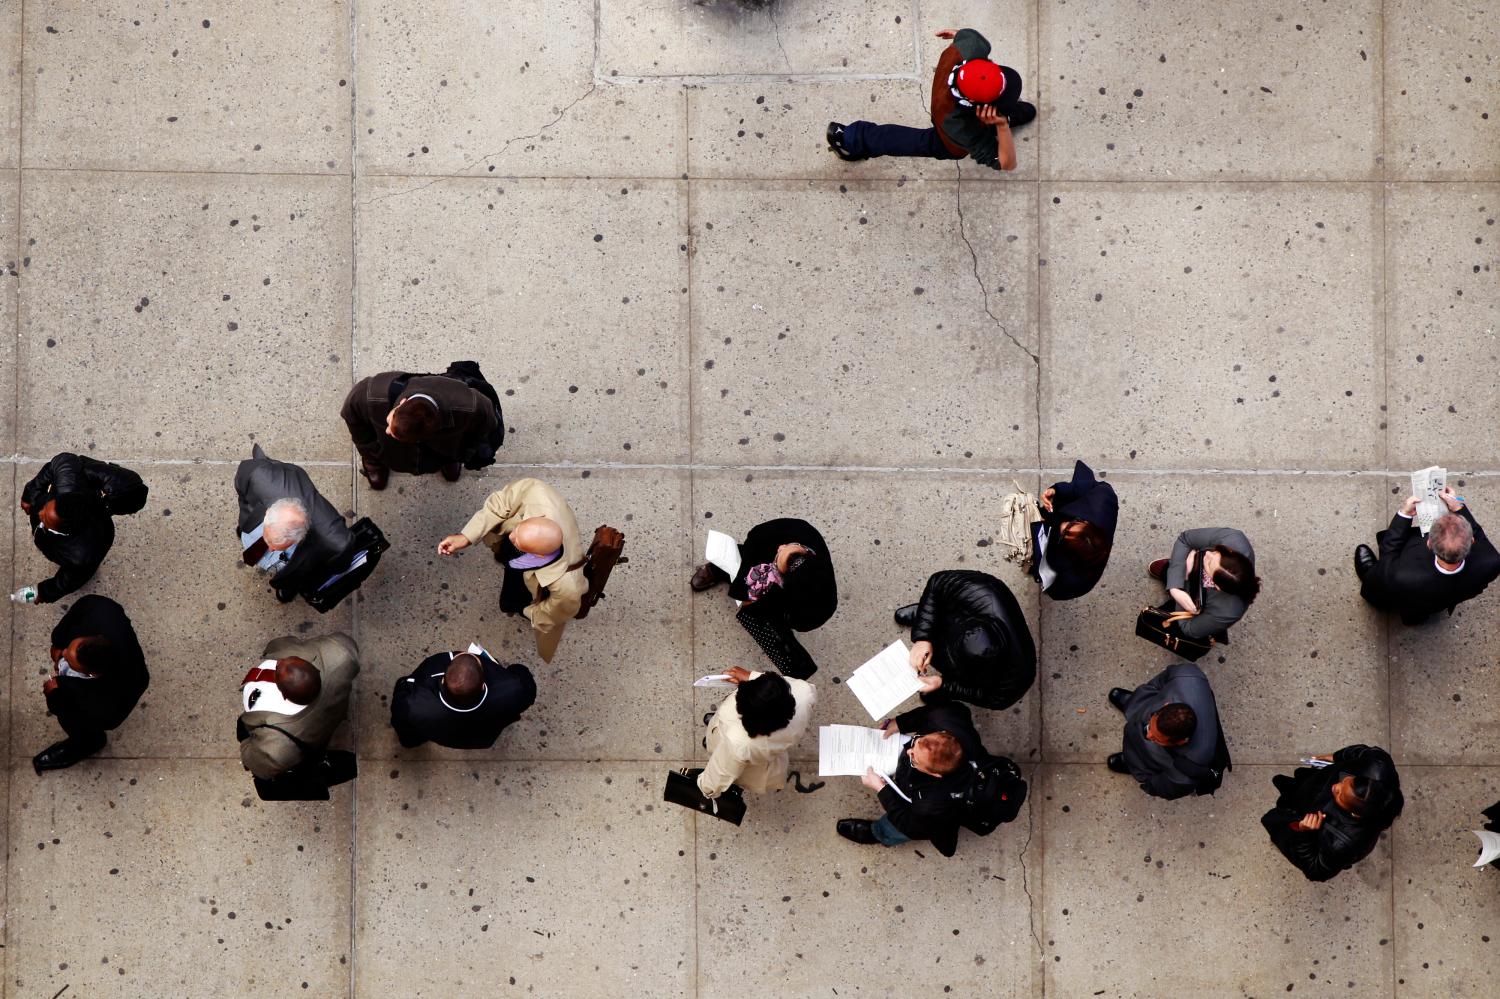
1343	840
980	641
109	489
116	488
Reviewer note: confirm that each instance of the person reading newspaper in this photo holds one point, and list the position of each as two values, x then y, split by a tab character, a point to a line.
1416	577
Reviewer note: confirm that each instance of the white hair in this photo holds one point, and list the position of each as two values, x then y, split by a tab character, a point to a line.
287	519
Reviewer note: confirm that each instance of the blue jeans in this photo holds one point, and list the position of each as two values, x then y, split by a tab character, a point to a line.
885	830
865	139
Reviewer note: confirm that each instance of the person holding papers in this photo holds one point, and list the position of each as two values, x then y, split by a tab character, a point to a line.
1416	577
462	700
1073	539
924	798
969	626
784	583
1328	818
751	734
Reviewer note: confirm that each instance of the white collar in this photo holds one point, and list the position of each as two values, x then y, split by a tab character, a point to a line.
419	395
462	710
1447	572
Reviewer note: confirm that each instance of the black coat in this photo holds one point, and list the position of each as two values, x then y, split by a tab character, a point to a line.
806	601
1343	840
1406	581
110	489
980	640
1083	498
420	714
103	702
261	481
933	813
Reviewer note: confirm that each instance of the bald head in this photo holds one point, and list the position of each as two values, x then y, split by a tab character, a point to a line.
463	682
298	680
537	536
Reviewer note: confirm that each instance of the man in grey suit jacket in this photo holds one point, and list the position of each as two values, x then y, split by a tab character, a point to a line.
1172	733
1211	575
287	528
294	700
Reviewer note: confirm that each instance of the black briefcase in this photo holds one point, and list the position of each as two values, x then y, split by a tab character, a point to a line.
682	789
1158	625
369	541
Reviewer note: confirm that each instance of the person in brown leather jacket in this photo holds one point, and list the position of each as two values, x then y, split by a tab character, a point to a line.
975	104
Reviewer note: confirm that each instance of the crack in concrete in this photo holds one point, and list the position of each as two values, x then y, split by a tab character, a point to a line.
1026	880
974	261
776	27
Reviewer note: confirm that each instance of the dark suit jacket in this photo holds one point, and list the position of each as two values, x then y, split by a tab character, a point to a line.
261	481
267	753
85	706
1407	581
806	601
420	714
1217	610
467	420
1083	498
1159	768
956	601
933	812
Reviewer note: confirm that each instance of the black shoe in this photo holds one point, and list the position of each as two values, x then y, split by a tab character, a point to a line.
857	830
286	596
452	471
1364	560
58	756
1116	762
836	142
906	616
708	717
1024	113
1119	697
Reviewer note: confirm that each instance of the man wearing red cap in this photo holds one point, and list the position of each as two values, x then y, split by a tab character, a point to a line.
975	104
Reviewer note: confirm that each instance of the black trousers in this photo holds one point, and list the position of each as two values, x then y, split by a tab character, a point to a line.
514	595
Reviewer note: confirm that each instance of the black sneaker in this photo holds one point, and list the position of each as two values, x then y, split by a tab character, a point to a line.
836	142
1024	113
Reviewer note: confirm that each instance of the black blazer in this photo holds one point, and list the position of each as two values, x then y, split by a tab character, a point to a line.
981	643
1343	840
86	706
260	481
419	714
810	595
933	812
1083	498
1406	581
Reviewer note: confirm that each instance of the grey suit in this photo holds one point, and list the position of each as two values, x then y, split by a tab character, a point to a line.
1217	610
1157	767
267	753
261	481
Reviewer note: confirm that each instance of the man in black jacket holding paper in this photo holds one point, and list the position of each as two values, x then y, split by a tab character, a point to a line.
462	700
969	626
1415	576
925	798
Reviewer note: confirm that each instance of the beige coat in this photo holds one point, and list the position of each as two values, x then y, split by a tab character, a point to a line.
756	764
523	499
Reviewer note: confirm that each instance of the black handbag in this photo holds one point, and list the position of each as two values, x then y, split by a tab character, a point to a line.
1158	625
682	789
310	779
367	539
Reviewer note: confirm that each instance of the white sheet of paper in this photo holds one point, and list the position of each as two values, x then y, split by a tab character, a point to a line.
724	552
885	681
713	680
847	750
1489	846
1426	484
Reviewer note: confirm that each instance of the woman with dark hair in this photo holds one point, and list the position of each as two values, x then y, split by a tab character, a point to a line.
1327	820
1073	539
751	734
1211	576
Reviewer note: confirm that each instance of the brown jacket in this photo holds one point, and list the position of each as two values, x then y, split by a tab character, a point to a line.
502	511
468	418
268	753
943	101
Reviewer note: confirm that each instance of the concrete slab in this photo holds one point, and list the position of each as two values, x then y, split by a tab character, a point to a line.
1445	708
1445	909
1304	668
1125	872
483	270
963	923
10	84
200	626
111	86
1198	91
8	612
1251	312
654	38
231	291
619	687
457	89
1443	317
10	283
603	910
1442	121
209	891
887	533
796	289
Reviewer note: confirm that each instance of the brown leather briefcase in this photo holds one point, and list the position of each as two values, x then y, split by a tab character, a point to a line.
603	555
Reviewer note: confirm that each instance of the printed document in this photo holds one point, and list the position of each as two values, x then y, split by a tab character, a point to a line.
1426	486
847	750
885	681
724	552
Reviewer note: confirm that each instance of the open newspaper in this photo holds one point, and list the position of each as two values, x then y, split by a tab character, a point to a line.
1427	486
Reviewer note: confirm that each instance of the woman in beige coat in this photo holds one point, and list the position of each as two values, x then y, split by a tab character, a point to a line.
751	733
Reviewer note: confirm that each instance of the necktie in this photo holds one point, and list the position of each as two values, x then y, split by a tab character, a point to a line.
256	551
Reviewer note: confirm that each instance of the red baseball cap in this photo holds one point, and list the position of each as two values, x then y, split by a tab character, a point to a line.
979	81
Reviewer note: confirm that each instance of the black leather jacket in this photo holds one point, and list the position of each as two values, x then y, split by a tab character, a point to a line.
980	641
1343	840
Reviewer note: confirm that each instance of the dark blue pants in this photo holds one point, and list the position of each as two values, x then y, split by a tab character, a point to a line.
865	139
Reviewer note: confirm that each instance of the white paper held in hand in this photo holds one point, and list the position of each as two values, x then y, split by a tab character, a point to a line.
1427	485
885	681
713	680
1489	846
724	552
847	750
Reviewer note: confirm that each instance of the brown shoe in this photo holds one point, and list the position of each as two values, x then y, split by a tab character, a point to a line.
1158	569
707	576
452	471
377	475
